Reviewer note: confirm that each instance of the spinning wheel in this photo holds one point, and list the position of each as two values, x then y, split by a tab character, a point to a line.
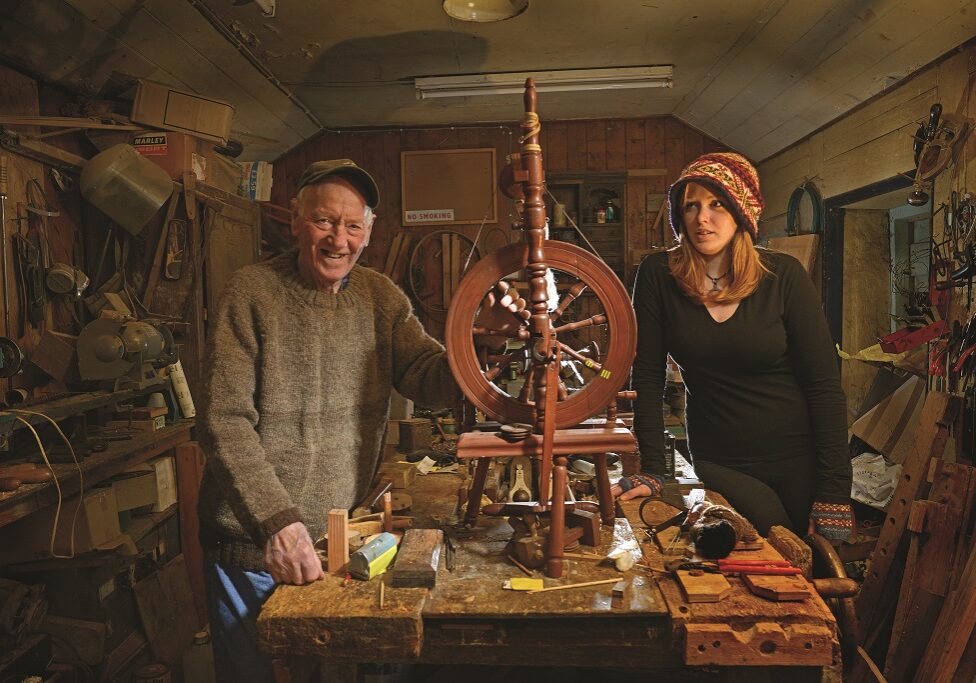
547	337
607	375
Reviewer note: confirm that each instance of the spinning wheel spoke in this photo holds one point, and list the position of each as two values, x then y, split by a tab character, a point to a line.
500	363
571	295
576	355
598	319
523	396
520	333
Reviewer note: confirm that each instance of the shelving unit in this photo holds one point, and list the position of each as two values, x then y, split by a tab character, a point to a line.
583	195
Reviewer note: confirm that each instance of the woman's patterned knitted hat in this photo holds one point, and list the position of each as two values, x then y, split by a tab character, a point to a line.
729	175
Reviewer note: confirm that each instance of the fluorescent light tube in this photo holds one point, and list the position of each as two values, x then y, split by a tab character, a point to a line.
429	87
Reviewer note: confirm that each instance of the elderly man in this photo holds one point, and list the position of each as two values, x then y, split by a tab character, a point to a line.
305	351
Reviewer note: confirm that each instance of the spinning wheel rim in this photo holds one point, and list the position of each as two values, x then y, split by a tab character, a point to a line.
568	258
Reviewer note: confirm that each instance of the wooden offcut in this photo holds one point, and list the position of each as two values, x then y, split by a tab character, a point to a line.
702	586
417	559
401	474
338	546
778	588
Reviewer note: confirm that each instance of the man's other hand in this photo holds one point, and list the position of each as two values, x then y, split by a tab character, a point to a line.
502	309
289	556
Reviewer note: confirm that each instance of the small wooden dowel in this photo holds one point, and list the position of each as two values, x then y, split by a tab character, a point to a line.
574	585
382	593
520	565
584	556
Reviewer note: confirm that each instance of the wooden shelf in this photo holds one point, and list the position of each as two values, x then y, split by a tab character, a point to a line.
97	467
60	408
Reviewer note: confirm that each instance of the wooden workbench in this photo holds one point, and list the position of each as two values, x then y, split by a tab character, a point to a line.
468	618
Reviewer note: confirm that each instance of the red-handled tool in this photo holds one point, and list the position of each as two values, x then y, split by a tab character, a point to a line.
756	569
771	567
760	563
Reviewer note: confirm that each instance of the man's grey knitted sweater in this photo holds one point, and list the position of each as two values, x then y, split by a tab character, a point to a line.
298	400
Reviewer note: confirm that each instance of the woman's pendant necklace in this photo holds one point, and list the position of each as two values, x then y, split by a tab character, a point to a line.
716	280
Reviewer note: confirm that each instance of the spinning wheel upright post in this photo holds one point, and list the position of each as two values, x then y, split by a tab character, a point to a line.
545	350
554	411
542	342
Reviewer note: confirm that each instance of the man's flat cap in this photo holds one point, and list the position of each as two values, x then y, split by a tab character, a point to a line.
318	171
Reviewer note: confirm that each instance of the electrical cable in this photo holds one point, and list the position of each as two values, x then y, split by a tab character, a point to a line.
57	485
809	189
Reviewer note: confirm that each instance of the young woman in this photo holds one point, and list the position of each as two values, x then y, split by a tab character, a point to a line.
766	416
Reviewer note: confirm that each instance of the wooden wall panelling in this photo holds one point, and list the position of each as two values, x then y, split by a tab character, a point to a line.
694	144
409	139
596	146
865	305
555	152
635	201
674	147
352	146
899	111
634	131
654	153
616	145
575	145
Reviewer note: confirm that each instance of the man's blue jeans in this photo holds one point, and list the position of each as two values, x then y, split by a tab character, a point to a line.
234	599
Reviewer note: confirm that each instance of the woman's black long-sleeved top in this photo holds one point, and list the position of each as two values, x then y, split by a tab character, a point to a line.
761	386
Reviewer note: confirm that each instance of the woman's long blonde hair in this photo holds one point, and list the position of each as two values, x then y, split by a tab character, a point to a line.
747	269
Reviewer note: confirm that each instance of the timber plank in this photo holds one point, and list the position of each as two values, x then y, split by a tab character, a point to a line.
929	442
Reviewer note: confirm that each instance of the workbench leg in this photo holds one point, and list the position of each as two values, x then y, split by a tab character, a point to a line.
557	519
295	669
476	491
603	488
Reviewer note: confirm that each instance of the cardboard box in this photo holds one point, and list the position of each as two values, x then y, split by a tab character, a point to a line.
97	525
890	426
179	153
165	469
161	106
135	488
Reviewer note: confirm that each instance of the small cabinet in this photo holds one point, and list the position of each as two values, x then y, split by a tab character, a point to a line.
595	203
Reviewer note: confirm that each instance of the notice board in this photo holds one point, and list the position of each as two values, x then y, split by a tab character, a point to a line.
448	186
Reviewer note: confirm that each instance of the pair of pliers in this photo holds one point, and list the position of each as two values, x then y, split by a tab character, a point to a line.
774	567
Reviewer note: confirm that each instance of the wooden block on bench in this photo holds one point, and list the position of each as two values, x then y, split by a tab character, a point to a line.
417	559
402	475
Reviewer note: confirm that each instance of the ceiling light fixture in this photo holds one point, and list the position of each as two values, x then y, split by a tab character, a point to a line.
429	87
484	10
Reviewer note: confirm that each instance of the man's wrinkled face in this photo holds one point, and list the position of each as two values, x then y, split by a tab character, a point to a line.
332	224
